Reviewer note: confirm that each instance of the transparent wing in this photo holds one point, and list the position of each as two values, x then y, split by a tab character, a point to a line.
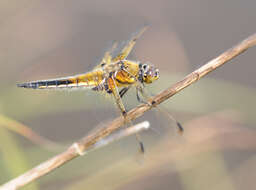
120	51
106	59
129	45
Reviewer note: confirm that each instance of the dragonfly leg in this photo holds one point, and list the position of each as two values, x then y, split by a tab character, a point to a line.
117	97
139	98
139	85
138	138
123	91
166	113
120	105
140	90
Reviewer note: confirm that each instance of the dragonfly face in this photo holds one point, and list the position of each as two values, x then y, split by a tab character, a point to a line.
148	73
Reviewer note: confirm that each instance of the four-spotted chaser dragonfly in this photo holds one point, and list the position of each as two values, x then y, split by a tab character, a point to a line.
112	73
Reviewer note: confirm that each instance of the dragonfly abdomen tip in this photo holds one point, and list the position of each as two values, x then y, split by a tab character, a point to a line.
27	85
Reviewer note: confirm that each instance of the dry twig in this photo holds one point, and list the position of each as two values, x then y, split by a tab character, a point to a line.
71	151
88	141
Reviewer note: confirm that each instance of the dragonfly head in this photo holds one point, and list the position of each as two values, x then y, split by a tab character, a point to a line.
148	73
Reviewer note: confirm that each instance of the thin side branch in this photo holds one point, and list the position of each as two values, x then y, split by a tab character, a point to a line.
72	152
86	143
113	137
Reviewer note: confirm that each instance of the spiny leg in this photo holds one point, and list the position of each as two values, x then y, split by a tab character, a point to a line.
123	91
139	98
140	88
167	114
117	97
122	108
138	137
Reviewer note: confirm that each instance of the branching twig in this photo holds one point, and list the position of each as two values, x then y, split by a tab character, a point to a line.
72	152
121	134
88	141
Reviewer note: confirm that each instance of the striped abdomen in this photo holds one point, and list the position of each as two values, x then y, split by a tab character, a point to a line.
87	80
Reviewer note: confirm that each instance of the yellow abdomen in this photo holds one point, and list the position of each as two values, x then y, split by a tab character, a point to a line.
87	80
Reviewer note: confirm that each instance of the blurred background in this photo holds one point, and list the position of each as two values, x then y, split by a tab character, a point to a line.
48	39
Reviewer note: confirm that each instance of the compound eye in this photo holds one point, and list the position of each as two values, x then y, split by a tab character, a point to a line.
145	66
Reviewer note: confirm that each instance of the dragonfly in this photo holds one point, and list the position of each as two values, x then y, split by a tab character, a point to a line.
114	74
110	75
